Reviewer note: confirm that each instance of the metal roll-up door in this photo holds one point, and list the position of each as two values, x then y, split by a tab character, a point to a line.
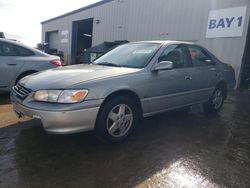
53	40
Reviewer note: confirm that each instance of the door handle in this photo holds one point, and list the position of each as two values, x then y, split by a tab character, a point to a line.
212	69
12	64
188	78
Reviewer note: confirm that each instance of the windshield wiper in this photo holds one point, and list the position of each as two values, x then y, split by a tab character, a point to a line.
108	64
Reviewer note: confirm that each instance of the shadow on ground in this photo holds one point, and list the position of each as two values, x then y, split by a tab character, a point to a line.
4	98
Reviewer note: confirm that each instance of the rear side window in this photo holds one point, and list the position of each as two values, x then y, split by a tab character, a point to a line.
23	51
7	49
199	57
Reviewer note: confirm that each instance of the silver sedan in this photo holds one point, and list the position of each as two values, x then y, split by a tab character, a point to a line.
134	80
18	61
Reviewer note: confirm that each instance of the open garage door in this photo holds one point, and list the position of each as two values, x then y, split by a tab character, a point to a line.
81	39
52	38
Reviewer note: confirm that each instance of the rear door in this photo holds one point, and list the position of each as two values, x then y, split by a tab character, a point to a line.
12	58
203	72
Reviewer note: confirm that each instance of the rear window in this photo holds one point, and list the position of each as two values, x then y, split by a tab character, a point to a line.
23	51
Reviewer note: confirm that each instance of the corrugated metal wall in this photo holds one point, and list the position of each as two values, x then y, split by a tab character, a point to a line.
136	20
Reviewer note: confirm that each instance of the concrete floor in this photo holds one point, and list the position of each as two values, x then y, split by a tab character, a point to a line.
174	149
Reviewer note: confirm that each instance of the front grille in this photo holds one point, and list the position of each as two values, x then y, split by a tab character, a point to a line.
21	91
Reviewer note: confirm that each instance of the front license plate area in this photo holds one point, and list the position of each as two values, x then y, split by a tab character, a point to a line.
19	114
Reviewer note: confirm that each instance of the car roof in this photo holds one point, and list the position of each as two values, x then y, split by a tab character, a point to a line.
164	42
15	43
23	45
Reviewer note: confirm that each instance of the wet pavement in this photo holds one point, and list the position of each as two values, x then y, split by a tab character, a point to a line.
174	149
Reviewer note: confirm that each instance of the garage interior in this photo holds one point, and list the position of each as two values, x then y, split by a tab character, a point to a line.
82	32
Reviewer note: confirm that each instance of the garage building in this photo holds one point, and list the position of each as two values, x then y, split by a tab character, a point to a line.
222	26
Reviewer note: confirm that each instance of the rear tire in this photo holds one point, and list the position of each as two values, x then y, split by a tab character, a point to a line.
117	119
216	101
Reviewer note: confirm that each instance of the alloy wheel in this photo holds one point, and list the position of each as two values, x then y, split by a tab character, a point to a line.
217	99
119	120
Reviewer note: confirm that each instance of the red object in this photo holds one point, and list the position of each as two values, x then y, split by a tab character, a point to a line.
57	63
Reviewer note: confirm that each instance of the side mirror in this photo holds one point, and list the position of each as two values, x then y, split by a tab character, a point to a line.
163	65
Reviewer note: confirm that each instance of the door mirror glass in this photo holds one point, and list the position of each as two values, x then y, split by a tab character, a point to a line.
163	65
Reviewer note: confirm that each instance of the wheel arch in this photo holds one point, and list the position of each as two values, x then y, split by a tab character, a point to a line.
223	85
25	73
123	92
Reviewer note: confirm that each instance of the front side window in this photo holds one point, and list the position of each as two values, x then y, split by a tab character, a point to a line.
175	54
7	49
133	55
199	57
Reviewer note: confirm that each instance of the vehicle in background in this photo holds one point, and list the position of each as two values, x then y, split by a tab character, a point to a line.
18	61
2	35
134	80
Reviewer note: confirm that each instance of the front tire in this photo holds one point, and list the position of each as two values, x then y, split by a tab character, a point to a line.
215	102
117	119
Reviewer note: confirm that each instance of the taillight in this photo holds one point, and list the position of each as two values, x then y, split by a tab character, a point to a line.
57	63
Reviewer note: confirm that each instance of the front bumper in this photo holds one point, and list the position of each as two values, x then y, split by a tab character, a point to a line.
60	122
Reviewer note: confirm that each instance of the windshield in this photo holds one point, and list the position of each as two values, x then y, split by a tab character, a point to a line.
129	55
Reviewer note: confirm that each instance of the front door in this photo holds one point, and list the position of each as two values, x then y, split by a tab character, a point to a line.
170	88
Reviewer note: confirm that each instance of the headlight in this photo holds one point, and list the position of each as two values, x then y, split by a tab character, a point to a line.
72	96
61	96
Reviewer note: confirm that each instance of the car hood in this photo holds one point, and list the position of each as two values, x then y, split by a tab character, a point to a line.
70	76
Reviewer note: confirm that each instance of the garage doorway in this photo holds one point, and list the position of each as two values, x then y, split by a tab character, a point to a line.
52	38
245	73
81	39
